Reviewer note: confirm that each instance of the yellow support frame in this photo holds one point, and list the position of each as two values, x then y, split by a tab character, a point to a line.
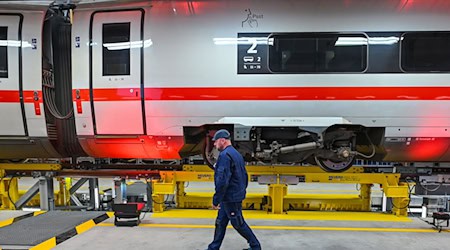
9	189
62	197
30	166
172	182
277	200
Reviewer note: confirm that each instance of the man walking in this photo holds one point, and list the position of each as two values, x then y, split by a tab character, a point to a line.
231	180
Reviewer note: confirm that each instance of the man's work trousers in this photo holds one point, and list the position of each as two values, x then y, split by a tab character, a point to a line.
232	211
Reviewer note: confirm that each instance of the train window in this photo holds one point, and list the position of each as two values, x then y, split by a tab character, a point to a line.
3	52
425	51
116	49
318	53
384	52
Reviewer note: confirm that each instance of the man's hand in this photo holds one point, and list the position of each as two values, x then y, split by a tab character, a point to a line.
216	207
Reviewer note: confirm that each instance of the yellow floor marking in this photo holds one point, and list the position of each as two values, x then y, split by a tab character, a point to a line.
6	222
90	224
39	212
359	229
85	226
11	220
163	225
50	243
291	215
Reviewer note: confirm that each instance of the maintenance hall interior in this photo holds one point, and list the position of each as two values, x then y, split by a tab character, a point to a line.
224	124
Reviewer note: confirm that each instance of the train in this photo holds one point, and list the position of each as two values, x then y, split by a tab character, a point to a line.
295	82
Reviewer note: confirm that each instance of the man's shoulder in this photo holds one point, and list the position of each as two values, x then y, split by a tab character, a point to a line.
227	152
223	155
233	155
229	149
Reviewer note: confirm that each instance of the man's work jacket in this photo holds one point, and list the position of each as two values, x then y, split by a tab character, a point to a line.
230	177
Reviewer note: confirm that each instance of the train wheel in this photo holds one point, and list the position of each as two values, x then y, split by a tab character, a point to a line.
210	153
330	166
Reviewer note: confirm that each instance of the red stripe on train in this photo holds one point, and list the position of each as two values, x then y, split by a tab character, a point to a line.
299	93
9	96
249	93
272	93
13	96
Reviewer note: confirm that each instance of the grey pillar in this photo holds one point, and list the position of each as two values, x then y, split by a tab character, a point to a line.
149	195
47	194
120	187
94	194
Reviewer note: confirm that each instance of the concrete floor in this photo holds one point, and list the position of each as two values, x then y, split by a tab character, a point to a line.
193	229
160	232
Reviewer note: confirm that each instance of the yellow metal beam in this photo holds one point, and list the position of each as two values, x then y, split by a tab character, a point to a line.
30	166
276	169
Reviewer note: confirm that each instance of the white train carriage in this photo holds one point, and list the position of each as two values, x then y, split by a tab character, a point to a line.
294	81
23	128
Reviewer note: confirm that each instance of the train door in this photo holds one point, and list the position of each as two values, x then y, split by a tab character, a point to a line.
12	120
116	72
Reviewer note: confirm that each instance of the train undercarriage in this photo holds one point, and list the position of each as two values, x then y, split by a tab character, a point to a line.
334	149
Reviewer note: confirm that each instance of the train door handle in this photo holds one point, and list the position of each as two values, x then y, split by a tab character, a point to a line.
37	106
78	101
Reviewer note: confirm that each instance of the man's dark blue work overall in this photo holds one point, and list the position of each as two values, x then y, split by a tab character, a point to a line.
231	180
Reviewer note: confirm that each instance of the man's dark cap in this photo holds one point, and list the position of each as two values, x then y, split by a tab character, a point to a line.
223	133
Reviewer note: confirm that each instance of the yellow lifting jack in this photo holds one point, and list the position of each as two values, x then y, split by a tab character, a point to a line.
277	200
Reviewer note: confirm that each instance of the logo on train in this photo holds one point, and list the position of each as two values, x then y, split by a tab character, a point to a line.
252	19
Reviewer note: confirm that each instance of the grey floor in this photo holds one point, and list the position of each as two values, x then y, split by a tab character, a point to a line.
34	230
109	237
106	236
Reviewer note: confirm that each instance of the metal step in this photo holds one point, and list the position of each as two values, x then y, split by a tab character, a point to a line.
32	231
9	217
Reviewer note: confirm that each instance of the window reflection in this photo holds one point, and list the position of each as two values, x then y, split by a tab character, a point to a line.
3	52
116	61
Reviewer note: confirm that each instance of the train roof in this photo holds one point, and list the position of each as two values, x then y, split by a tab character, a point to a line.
342	6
